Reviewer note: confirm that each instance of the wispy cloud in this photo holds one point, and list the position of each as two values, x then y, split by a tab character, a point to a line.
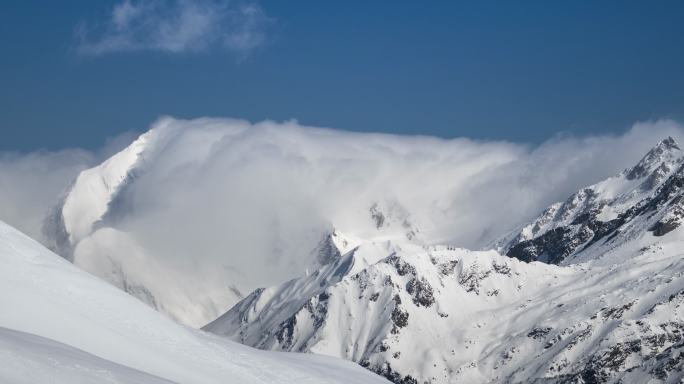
176	26
31	183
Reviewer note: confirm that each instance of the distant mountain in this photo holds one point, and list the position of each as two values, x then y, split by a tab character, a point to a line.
61	325
589	291
611	310
646	197
189	278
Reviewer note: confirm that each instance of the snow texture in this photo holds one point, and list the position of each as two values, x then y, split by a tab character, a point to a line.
63	325
195	214
612	311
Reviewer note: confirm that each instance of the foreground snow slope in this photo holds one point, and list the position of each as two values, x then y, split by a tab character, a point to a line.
61	323
30	359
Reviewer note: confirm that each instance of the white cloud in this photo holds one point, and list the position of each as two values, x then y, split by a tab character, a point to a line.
176	26
31	183
219	185
222	202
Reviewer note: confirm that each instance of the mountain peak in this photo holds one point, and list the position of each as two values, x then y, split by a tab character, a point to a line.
667	149
669	142
599	213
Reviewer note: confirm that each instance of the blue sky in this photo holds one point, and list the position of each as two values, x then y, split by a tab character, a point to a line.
519	71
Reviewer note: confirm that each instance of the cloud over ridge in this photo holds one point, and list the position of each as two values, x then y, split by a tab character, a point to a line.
176	26
224	204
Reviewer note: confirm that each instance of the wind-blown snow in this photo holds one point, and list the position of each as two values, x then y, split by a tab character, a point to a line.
612	312
64	325
220	207
639	198
195	214
94	188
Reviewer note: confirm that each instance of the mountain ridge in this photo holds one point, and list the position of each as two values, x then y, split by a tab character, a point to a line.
595	213
63	323
611	312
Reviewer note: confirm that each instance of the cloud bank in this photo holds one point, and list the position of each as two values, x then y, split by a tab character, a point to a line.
30	183
176	26
222	204
224	175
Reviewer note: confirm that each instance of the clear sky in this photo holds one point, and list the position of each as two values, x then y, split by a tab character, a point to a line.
73	73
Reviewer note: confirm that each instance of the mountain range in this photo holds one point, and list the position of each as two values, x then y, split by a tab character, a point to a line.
590	291
63	325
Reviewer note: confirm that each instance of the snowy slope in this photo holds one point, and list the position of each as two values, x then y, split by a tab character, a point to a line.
455	316
29	359
95	188
194	215
99	225
611	311
60	324
82	228
602	214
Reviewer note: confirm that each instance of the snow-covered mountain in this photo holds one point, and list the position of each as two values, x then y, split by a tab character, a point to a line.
646	197
196	214
611	311
588	291
80	228
62	325
104	226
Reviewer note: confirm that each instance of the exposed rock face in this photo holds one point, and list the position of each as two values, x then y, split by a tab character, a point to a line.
602	215
96	226
391	215
611	311
605	306
656	156
60	325
446	315
330	248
